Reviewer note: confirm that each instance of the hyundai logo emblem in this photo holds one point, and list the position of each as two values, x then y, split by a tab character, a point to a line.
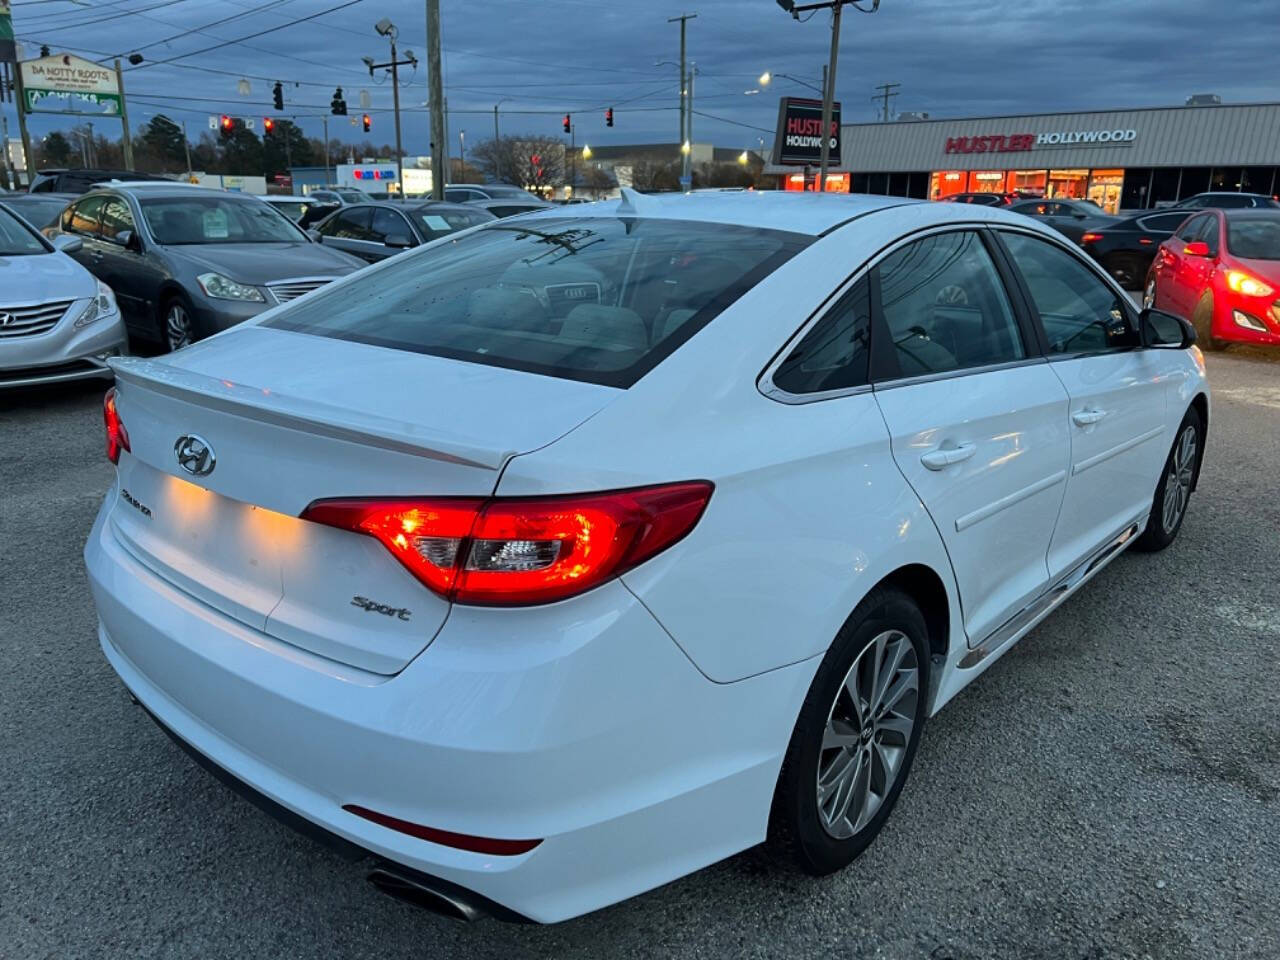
5	319
195	455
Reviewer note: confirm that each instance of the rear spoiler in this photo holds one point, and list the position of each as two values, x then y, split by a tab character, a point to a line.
319	419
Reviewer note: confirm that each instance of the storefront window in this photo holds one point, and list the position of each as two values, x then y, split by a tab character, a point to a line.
1194	180
1164	186
1225	178
1068	183
1259	180
918	187
793	181
1104	189
837	183
1028	182
1136	192
986	181
945	183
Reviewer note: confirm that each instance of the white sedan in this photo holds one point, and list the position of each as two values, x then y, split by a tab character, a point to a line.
564	556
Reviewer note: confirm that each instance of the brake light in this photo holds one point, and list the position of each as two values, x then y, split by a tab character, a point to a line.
1090	237
505	552
117	436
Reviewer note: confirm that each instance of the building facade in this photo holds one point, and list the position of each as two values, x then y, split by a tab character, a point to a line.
1121	159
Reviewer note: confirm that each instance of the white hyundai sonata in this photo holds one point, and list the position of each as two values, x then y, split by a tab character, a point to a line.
564	556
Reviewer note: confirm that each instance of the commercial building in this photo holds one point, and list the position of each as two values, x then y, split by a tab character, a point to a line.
1121	159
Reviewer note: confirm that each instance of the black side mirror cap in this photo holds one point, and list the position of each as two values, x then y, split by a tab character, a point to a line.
1161	329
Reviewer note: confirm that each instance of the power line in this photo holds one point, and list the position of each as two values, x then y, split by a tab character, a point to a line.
114	16
201	29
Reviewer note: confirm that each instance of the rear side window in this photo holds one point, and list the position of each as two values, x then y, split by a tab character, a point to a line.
945	307
834	354
583	298
1162	222
1079	312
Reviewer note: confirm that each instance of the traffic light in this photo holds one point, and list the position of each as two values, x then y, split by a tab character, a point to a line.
277	94
226	123
268	124
608	117
338	106
567	125
367	122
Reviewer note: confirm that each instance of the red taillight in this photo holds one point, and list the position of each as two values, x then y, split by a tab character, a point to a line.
505	552
117	436
460	841
1090	237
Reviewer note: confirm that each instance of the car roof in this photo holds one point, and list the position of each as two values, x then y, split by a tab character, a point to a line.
169	189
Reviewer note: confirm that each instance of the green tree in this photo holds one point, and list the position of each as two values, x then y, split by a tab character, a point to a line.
241	151
286	146
160	145
54	150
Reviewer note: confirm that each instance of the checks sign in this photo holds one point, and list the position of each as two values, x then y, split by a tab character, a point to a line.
51	84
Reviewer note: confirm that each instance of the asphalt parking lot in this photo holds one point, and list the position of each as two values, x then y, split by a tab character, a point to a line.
1110	788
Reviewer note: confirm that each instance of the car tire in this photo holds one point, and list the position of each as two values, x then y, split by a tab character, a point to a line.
1173	491
173	310
854	749
1125	269
1202	320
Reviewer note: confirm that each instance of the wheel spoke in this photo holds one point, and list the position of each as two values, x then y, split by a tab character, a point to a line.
908	682
899	725
893	662
835	738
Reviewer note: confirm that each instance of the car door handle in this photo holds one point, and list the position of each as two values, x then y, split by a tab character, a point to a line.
945	456
1088	416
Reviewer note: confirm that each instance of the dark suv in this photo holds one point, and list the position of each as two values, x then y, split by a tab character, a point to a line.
59	180
1226	200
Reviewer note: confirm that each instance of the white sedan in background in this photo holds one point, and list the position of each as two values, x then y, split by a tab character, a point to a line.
566	555
57	321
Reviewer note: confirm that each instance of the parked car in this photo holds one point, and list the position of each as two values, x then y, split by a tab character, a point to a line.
57	321
510	208
62	180
1221	270
41	210
563	559
464	192
1126	246
375	231
1072	218
304	211
186	261
339	195
982	199
1227	200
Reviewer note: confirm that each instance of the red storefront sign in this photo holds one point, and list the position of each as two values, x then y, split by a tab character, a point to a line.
998	143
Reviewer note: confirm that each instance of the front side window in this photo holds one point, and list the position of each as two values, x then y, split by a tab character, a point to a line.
84	216
596	299
945	307
388	223
1079	312
349	224
215	219
834	354
1254	238
116	218
16	240
1208	232
1191	229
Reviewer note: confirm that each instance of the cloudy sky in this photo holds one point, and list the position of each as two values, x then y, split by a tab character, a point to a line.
542	58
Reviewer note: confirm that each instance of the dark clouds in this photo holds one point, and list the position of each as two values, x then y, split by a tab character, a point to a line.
579	56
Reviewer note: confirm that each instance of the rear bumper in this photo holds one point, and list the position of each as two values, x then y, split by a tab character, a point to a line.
580	724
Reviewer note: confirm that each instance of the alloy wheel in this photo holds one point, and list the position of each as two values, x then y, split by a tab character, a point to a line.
1149	294
1177	484
864	746
177	327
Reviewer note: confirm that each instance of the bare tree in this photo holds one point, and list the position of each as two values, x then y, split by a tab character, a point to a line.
596	181
650	177
532	161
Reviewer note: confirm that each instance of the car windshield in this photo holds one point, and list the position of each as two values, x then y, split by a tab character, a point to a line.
1088	206
354	196
293	209
436	223
16	239
216	219
1254	238
586	298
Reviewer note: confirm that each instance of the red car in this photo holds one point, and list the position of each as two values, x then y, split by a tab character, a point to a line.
1221	270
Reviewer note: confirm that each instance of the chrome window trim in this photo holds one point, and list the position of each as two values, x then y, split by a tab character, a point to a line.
769	389
959	372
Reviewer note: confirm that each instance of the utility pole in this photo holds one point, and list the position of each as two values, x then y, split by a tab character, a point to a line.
388	29
28	160
90	160
688	129
886	91
828	86
125	142
327	179
684	19
436	99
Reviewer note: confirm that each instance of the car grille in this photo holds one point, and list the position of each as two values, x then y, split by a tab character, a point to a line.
27	321
292	289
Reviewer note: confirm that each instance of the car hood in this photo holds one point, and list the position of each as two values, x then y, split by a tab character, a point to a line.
43	277
261	263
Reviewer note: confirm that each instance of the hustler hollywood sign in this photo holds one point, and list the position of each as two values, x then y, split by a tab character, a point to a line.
1019	142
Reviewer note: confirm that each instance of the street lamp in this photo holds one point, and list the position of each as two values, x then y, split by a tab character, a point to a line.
386	28
743	158
766	78
586	152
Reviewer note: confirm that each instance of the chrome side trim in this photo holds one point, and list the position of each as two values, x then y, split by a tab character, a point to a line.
991	509
1025	619
960	372
1105	455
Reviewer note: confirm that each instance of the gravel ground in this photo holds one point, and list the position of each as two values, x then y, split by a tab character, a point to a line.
1110	788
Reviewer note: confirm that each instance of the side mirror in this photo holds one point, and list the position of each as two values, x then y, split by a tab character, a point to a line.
398	240
316	236
1160	329
129	240
1196	248
67	243
1078	215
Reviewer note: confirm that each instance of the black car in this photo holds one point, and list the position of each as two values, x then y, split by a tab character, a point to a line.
380	229
61	180
1227	200
186	262
1126	247
1072	218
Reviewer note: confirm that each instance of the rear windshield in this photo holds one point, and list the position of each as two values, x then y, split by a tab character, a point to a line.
1254	238
583	298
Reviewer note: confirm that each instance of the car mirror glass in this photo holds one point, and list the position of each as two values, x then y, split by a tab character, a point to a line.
1161	329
